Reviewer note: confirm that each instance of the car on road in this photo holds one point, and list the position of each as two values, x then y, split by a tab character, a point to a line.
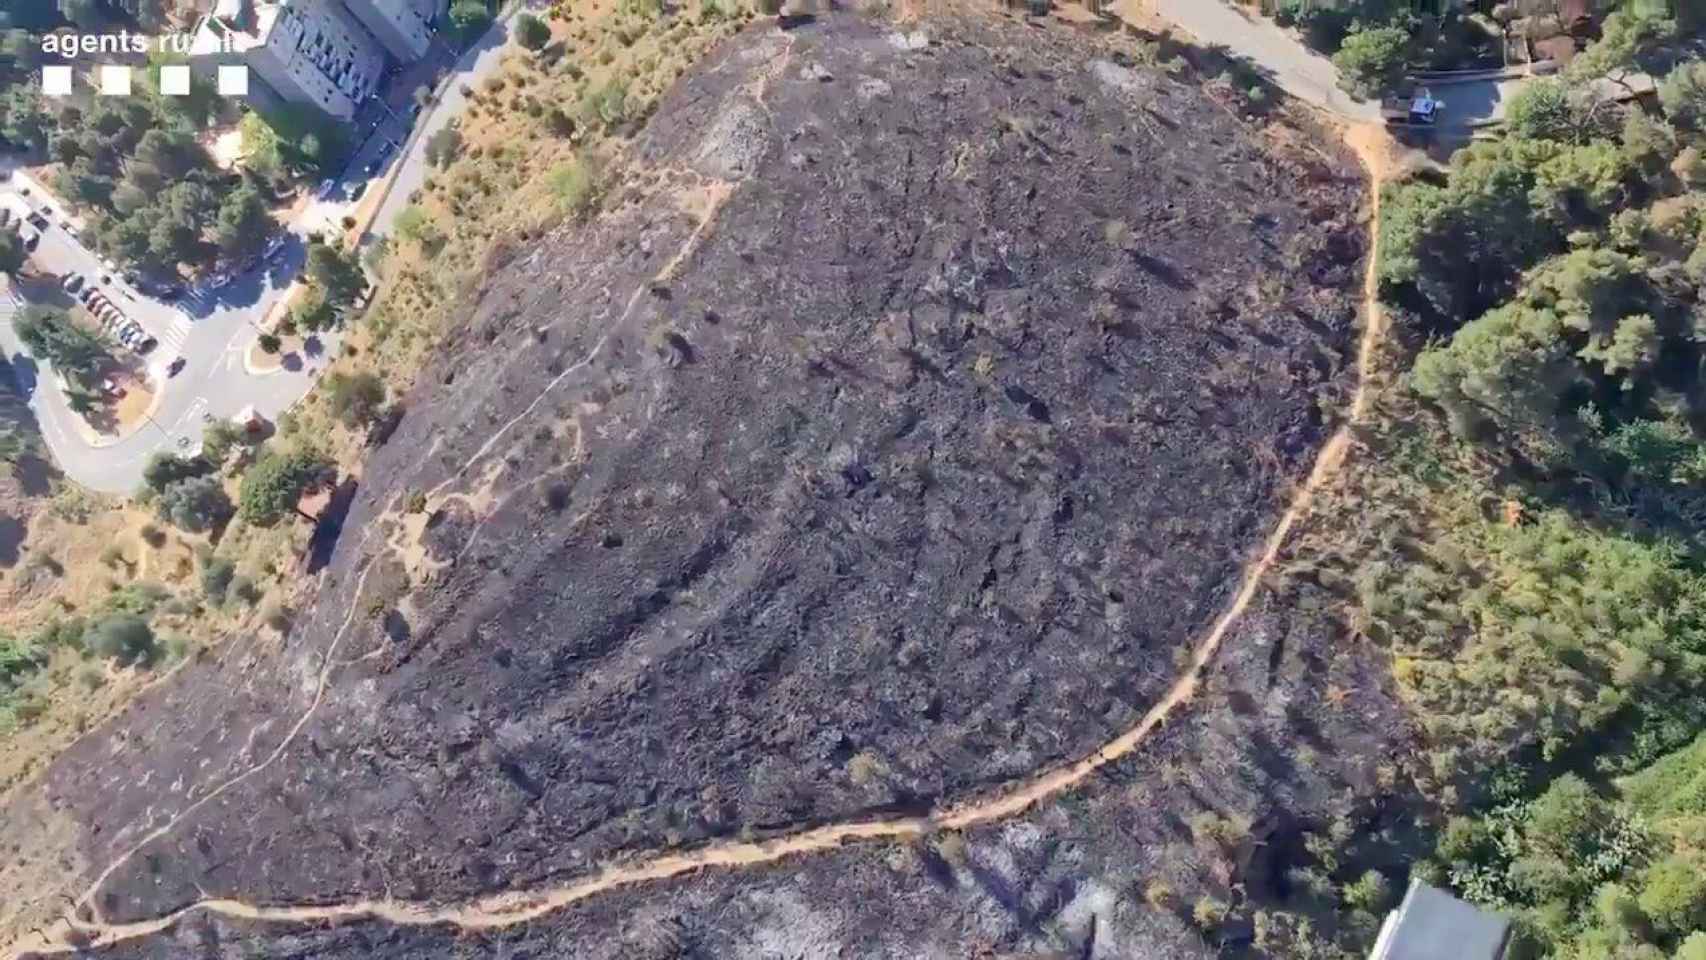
176	367
32	239
38	221
147	345
72	283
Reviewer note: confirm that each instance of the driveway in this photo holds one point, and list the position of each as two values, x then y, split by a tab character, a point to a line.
1307	75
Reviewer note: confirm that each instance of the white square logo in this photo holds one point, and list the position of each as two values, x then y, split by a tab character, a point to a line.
175	80
115	80
233	80
56	80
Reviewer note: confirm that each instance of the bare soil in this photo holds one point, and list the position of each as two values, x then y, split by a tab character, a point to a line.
898	426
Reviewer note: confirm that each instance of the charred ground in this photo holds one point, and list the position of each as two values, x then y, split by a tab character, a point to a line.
909	408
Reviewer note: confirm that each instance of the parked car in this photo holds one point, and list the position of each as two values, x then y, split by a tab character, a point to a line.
176	367
32	239
38	221
147	345
72	283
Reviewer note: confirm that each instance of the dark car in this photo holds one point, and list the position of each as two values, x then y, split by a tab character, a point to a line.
147	345
176	367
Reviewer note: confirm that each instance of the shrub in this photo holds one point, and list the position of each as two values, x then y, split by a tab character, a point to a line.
443	147
532	32
216	577
1159	895
1673	894
1209	913
244	590
165	469
123	637
196	504
355	399
1371	892
269	343
576	186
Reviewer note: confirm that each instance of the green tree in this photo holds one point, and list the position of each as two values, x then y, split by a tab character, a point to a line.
218	439
532	32
1673	894
242	224
1649	144
312	311
272	486
1683	95
337	273
1507	371
25	121
1545	109
164	469
1371	61
1629	39
171	152
195	504
1693	948
51	336
469	17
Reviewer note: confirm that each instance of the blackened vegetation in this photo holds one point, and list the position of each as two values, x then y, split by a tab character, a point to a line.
945	442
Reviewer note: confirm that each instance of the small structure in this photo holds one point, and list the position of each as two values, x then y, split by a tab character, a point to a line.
249	420
1434	925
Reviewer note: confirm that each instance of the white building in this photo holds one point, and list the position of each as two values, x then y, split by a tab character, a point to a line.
401	25
312	52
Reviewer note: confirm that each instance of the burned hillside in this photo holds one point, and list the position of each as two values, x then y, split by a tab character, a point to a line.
912	403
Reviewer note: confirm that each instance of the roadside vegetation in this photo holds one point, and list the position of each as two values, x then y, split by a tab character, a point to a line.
1526	532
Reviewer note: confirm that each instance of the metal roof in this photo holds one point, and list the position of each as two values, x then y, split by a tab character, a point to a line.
1434	925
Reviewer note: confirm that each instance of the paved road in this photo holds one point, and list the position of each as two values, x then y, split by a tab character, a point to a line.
212	329
474	66
211	334
1291	66
1311	77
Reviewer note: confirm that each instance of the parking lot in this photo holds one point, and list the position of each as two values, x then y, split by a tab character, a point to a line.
99	287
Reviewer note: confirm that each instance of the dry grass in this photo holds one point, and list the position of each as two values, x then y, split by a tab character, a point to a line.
499	188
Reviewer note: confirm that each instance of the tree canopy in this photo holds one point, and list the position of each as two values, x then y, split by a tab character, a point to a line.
276	481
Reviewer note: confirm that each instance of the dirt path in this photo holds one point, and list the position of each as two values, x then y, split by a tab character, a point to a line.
508	909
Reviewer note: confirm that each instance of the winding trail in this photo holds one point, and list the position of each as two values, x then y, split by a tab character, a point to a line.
70	935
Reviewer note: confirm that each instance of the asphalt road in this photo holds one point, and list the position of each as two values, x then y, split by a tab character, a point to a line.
474	66
213	329
1311	77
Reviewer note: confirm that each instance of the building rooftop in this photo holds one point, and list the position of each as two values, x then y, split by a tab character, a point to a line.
1434	925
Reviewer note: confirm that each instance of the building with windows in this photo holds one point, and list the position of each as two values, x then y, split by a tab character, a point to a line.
328	54
403	26
310	52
